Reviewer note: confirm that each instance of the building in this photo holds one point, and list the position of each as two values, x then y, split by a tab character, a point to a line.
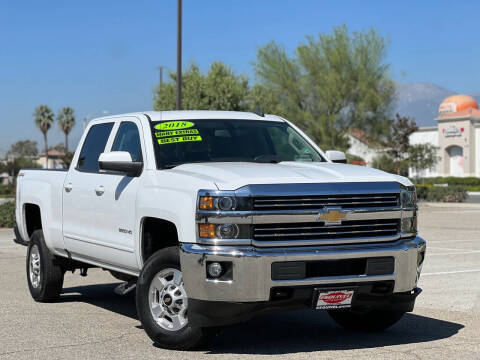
363	146
54	159
457	137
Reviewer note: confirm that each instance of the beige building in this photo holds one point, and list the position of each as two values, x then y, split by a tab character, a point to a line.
457	137
54	159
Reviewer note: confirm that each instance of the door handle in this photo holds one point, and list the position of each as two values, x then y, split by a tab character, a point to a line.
100	190
68	187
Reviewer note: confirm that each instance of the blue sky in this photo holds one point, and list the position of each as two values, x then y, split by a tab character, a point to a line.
102	55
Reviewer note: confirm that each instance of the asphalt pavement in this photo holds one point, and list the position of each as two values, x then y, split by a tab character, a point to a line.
91	322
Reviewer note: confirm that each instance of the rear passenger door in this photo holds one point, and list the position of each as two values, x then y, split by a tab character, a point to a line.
115	209
79	193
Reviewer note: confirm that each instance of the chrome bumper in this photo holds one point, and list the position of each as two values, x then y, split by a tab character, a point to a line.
252	278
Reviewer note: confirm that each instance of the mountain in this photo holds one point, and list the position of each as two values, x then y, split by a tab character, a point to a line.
421	100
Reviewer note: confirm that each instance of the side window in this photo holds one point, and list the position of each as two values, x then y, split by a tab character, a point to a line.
93	146
128	139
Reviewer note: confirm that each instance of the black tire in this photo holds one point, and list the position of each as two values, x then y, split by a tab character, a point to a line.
369	321
50	282
185	338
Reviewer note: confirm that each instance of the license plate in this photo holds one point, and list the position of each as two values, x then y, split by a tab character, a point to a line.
334	299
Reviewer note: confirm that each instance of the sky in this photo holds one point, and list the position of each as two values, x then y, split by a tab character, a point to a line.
102	56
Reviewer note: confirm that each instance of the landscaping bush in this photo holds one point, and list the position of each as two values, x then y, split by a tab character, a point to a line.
7	214
470	183
428	192
7	190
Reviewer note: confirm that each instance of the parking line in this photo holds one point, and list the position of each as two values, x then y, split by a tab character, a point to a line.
456	253
451	272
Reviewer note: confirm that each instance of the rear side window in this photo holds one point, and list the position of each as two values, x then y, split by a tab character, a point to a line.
128	139
93	146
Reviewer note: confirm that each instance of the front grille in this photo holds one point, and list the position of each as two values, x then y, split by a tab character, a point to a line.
317	202
319	231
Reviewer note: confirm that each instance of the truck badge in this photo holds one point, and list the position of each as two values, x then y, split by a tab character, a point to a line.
332	216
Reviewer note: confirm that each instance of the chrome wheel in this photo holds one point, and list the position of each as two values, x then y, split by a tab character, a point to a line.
34	268
168	300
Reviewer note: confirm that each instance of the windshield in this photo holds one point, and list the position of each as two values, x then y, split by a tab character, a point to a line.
181	142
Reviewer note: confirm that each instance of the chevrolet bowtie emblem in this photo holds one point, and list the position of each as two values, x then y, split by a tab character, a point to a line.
332	216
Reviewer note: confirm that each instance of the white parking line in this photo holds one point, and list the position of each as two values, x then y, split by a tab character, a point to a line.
451	272
452	241
457	253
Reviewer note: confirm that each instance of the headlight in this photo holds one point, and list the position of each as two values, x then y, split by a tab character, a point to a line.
222	203
408	199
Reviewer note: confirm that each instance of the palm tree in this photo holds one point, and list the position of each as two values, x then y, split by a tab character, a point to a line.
44	119
66	121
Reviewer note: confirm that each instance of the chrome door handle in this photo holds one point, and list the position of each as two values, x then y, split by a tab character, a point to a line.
100	190
68	187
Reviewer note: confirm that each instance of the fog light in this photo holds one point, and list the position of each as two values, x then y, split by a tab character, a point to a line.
227	231
215	270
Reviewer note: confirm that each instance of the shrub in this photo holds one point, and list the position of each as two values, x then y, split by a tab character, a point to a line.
432	193
7	190
7	214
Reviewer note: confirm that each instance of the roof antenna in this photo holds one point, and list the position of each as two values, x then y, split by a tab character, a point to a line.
259	111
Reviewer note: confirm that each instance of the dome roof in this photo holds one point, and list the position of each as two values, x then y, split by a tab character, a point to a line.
456	103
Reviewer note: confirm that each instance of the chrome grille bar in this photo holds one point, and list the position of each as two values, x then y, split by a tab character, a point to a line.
352	201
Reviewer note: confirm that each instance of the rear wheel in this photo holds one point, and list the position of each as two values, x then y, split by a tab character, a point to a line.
162	303
44	274
369	321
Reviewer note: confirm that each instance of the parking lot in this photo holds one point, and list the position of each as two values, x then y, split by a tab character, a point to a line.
91	322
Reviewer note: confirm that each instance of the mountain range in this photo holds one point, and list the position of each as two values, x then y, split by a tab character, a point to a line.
421	100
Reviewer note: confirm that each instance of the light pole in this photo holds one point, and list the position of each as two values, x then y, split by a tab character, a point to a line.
179	54
160	68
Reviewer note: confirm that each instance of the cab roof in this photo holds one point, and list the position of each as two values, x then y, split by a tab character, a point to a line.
208	115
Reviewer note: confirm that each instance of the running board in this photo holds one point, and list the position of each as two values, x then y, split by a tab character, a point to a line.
126	287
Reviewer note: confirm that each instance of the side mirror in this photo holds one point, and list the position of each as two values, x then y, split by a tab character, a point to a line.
336	156
119	162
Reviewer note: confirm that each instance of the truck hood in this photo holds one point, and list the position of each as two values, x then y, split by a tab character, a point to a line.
234	175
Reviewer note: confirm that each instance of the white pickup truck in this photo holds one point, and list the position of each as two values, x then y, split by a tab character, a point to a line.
214	217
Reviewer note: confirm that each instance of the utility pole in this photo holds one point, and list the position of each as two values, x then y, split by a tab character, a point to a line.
160	68
179	54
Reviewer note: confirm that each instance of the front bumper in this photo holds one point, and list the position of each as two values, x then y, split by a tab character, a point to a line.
252	268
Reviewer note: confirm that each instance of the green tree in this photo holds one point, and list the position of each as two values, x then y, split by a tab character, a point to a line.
219	89
397	141
25	148
333	82
66	122
44	118
400	155
422	157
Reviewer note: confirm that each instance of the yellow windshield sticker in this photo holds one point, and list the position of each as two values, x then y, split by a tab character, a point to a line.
172	125
178	139
176	133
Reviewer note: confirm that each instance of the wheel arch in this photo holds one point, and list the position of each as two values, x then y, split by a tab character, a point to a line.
155	234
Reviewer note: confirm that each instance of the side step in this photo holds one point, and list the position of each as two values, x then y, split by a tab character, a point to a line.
126	287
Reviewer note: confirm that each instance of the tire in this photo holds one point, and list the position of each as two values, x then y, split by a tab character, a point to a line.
166	299
369	321
44	274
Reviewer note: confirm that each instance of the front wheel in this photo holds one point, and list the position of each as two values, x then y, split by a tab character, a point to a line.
162	303
369	321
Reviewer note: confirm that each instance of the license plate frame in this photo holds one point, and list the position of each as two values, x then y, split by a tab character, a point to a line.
331	299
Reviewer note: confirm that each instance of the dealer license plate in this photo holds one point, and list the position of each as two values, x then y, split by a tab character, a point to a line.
335	299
